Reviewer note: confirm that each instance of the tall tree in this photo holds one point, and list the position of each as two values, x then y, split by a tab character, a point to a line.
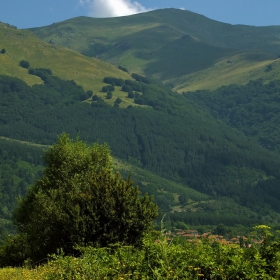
81	200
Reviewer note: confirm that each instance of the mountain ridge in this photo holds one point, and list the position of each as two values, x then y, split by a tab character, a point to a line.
138	42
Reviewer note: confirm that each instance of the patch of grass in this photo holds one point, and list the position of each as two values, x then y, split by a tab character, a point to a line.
237	69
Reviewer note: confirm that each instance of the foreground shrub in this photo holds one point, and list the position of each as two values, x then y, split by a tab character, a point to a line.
162	258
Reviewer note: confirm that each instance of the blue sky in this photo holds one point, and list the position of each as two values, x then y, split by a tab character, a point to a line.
34	13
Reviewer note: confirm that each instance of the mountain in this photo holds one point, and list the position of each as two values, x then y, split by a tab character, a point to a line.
200	168
177	47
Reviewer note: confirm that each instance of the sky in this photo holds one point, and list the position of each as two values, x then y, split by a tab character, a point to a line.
37	13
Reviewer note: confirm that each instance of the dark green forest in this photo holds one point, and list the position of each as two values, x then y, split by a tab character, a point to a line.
253	109
169	134
20	165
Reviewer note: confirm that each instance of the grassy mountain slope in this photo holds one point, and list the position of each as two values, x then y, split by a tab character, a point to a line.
178	47
237	69
66	64
169	24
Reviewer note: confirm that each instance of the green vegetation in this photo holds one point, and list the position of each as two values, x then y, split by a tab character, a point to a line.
169	135
123	69
163	257
27	155
176	51
109	95
79	200
150	126
253	109
210	159
20	166
186	50
24	64
26	167
64	63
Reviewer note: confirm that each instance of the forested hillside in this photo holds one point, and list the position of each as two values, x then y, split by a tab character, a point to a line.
253	109
167	134
20	165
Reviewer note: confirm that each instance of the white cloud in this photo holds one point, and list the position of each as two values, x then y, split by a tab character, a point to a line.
112	8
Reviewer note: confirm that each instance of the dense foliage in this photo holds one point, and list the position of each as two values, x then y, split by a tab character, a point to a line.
18	170
170	136
162	257
24	64
20	165
79	200
253	109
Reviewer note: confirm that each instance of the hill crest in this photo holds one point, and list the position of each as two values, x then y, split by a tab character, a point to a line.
155	42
